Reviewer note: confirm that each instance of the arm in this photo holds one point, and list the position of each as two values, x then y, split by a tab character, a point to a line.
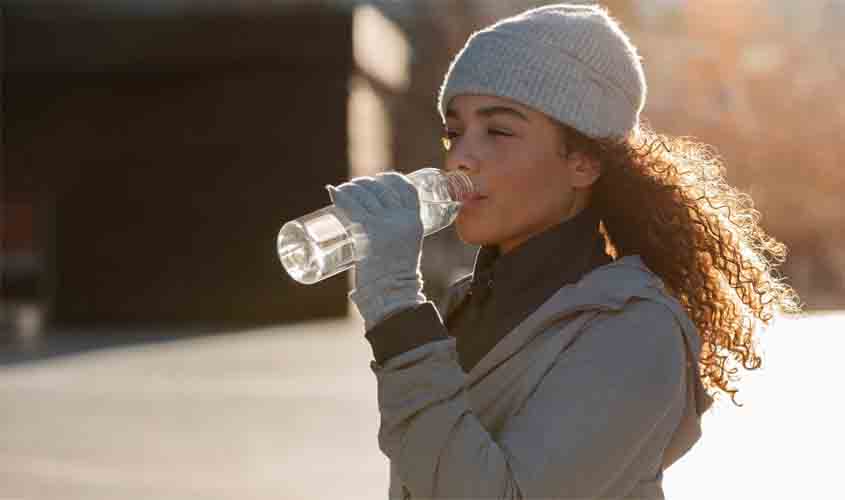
605	397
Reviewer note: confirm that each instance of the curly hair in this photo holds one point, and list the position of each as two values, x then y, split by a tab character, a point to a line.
666	199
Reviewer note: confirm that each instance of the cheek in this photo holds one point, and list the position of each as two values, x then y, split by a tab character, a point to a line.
527	193
537	197
533	191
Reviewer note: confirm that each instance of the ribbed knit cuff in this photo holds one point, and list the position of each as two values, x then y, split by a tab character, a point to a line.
406	330
379	299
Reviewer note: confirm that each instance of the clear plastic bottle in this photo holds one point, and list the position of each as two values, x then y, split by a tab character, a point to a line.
324	243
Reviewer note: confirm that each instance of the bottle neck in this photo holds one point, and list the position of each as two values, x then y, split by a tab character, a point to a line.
460	186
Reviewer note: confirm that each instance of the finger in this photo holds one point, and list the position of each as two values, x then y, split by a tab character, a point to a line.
386	195
402	187
347	204
356	190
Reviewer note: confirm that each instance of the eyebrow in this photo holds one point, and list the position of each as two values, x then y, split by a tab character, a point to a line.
490	111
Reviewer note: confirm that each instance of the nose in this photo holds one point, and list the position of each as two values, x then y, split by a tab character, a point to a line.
461	157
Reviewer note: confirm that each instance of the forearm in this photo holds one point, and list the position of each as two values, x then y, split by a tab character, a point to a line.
428	430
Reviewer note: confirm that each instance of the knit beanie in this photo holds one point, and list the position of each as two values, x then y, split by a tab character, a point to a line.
571	62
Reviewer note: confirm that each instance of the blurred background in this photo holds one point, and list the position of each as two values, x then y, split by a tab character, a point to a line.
152	149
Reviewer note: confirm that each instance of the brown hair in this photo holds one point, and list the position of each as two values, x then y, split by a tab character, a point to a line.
666	199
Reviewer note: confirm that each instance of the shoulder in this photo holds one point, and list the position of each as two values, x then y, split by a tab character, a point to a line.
643	338
640	319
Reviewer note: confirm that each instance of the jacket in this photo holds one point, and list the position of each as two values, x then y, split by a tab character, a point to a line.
592	396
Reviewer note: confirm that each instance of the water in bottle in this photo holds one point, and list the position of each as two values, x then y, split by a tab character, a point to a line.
325	242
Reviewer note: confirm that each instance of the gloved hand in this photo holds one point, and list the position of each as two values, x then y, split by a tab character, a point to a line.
387	207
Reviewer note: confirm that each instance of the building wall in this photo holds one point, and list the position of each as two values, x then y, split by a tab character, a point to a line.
164	152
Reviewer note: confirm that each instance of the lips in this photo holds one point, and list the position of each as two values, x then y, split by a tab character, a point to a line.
472	197
472	200
476	194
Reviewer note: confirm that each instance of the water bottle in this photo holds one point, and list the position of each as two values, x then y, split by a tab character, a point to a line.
325	242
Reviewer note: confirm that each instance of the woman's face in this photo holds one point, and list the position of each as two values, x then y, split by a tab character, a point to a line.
515	154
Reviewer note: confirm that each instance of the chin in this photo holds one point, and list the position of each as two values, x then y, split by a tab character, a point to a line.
471	234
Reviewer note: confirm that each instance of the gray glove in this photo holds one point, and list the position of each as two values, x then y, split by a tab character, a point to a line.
387	207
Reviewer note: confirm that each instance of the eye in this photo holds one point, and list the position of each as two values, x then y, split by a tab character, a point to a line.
500	132
449	136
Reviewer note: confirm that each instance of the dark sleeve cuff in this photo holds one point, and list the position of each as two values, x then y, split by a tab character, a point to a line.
406	330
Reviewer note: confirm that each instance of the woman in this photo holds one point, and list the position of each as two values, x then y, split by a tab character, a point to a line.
617	274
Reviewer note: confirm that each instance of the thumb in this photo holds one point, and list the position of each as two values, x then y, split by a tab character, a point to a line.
331	191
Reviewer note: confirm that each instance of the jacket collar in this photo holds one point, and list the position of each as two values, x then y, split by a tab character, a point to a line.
565	251
606	288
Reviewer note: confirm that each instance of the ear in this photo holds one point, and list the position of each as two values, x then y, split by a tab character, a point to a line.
585	170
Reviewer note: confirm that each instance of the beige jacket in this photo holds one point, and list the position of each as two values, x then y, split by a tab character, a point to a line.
592	396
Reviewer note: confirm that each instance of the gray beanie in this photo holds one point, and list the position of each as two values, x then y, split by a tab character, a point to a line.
571	62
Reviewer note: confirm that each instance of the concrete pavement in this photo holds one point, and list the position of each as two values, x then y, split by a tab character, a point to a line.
290	413
273	413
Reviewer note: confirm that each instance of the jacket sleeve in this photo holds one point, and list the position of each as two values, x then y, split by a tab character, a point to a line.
606	395
406	330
